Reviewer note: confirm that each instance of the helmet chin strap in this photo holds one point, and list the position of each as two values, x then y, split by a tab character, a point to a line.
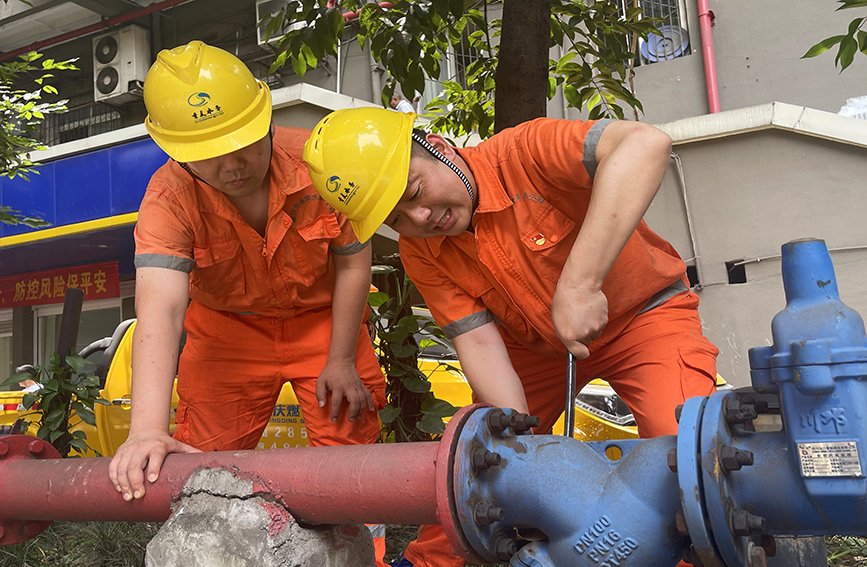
270	157
424	143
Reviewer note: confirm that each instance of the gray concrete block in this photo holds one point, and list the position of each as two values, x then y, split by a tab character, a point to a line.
222	520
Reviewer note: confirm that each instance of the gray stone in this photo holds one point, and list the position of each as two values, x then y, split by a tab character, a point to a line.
221	521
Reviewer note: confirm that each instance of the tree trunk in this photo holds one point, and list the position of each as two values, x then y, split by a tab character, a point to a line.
522	71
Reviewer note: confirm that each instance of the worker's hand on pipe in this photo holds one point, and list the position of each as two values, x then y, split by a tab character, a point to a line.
579	315
342	380
140	452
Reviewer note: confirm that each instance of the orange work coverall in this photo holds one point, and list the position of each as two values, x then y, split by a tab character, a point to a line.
260	310
534	183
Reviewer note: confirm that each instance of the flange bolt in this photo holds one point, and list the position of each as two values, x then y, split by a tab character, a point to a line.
672	460
498	421
743	523
505	548
482	459
4	448
524	423
735	412
732	459
484	514
35	447
680	522
757	556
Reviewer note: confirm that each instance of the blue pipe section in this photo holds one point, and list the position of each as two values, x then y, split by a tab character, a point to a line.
549	501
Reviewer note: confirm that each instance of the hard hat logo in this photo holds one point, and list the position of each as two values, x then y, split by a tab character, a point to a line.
198	99
333	184
345	193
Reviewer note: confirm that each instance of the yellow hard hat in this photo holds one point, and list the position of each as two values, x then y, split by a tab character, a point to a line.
358	160
203	102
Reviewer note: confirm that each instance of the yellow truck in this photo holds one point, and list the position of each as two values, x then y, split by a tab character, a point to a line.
599	412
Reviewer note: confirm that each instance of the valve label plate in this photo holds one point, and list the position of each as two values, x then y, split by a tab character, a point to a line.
830	459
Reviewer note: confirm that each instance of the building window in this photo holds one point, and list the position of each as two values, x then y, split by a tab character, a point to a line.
674	41
84	119
6	368
98	320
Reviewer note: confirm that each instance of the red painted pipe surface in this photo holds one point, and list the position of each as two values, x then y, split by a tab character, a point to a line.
104	24
705	23
376	484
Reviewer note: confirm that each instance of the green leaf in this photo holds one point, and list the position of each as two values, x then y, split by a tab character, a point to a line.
29	399
846	55
438	407
823	46
388	414
403	351
76	363
16	378
416	385
431	423
87	416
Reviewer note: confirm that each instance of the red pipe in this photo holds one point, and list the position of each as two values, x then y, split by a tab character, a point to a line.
383	484
706	22
104	24
405	483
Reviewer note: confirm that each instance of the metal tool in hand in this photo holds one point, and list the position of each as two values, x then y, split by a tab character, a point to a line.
569	417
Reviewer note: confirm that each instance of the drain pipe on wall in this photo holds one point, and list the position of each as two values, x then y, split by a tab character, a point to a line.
706	22
689	224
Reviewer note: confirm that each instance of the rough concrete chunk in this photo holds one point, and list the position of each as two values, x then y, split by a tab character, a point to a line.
220	522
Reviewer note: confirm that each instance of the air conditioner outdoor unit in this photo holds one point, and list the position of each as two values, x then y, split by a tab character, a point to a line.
121	60
266	7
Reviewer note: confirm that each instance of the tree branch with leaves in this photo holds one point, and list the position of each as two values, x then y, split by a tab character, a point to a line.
848	44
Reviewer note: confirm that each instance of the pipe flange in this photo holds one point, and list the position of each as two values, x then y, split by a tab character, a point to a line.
14	448
447	511
690	481
484	525
732	526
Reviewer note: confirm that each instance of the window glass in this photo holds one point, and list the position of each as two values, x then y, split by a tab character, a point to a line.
95	324
6	369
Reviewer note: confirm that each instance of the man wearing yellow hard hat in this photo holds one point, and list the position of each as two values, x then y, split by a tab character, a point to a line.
276	280
525	247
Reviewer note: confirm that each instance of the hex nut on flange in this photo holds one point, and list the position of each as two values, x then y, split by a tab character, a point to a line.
484	514
482	459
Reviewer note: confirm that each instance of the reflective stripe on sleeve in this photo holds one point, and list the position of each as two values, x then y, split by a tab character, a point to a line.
591	140
467	324
164	261
349	249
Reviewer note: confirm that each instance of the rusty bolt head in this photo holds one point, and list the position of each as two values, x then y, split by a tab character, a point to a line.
505	548
732	459
498	421
524	423
680	522
757	556
4	448
482	459
672	460
484	514
735	412
743	523
35	446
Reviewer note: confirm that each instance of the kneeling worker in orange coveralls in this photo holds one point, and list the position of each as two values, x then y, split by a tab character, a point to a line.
277	279
525	246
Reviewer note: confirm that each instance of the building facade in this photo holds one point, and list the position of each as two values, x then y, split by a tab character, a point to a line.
776	164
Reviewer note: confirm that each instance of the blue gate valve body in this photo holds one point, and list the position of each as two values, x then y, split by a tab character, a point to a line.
716	493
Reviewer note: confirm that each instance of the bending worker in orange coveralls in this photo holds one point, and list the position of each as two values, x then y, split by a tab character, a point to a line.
525	246
278	281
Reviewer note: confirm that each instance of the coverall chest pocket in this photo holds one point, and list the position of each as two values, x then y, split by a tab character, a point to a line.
547	241
219	268
312	255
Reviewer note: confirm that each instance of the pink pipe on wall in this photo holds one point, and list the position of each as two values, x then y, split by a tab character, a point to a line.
705	19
